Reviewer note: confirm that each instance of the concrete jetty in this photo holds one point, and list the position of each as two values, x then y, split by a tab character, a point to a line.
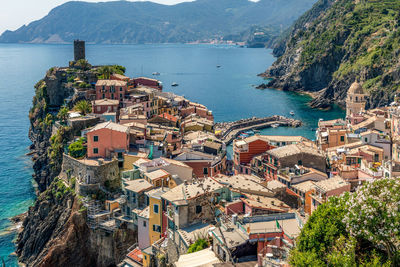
231	130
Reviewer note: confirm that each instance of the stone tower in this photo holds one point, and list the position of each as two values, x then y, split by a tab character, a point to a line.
356	99
79	50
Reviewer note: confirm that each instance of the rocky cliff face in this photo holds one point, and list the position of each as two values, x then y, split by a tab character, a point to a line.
339	42
56	234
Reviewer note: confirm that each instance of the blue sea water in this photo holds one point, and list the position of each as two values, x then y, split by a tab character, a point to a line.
228	91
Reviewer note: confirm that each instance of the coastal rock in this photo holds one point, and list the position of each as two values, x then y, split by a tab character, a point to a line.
322	53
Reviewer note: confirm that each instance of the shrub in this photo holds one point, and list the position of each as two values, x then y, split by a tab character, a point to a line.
77	149
200	244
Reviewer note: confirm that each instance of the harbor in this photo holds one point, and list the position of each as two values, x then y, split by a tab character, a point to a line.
228	131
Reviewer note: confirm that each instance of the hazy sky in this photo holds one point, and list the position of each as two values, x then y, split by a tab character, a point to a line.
15	13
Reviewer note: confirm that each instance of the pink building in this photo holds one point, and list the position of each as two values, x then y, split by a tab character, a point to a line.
107	138
111	89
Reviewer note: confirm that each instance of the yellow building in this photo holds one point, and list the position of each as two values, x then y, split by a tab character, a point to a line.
155	213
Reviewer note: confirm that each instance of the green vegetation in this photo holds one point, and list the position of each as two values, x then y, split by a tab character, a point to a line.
57	143
83	107
200	244
83	64
353	40
358	229
77	149
105	72
63	114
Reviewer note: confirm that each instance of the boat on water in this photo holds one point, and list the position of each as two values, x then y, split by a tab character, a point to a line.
292	112
174	84
250	132
156	73
275	125
218	66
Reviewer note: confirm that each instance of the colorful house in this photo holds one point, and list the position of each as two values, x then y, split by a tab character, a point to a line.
110	89
104	105
107	139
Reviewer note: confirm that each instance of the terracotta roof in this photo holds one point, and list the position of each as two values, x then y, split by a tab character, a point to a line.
110	125
168	117
304	187
268	203
331	184
110	83
136	255
293	149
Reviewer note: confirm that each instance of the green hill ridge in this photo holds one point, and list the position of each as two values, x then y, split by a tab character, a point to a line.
147	22
339	42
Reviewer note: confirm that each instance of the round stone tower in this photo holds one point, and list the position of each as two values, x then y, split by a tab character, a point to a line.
79	50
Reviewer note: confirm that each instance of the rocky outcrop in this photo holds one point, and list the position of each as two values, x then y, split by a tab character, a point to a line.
55	233
339	42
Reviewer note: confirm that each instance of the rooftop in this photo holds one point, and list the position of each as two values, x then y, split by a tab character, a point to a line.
202	258
183	192
243	182
267	203
293	149
157	192
137	185
304	187
105	102
331	184
110	83
158	174
111	126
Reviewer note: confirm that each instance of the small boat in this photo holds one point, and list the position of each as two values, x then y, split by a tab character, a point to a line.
275	125
174	84
249	132
156	73
292	112
218	66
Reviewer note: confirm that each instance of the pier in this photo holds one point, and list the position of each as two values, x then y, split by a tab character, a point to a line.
231	130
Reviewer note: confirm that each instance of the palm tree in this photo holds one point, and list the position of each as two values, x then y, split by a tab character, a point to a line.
105	72
83	107
63	114
83	64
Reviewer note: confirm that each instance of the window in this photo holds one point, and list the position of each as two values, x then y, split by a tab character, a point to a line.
144	224
112	96
120	89
98	108
156	228
300	162
342	138
95	150
95	138
155	208
366	139
120	96
104	96
198	209
205	170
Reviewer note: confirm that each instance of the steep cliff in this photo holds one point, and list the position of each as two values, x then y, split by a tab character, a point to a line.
55	233
336	43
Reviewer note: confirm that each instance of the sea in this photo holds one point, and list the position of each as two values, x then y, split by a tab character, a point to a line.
229	91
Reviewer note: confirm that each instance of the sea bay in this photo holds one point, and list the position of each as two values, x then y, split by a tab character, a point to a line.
229	91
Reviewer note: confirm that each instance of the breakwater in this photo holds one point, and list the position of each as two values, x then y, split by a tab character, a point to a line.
231	130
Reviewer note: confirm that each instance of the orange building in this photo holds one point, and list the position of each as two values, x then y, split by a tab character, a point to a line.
244	150
107	138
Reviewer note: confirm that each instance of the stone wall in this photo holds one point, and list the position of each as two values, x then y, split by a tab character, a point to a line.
307	160
78	124
88	173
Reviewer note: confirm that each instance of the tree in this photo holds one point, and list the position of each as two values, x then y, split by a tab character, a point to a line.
76	149
83	64
374	215
63	114
105	72
83	107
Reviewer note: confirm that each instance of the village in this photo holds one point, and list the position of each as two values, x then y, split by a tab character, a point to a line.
154	162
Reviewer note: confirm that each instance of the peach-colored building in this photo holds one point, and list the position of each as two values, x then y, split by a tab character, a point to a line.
111	89
107	138
104	105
